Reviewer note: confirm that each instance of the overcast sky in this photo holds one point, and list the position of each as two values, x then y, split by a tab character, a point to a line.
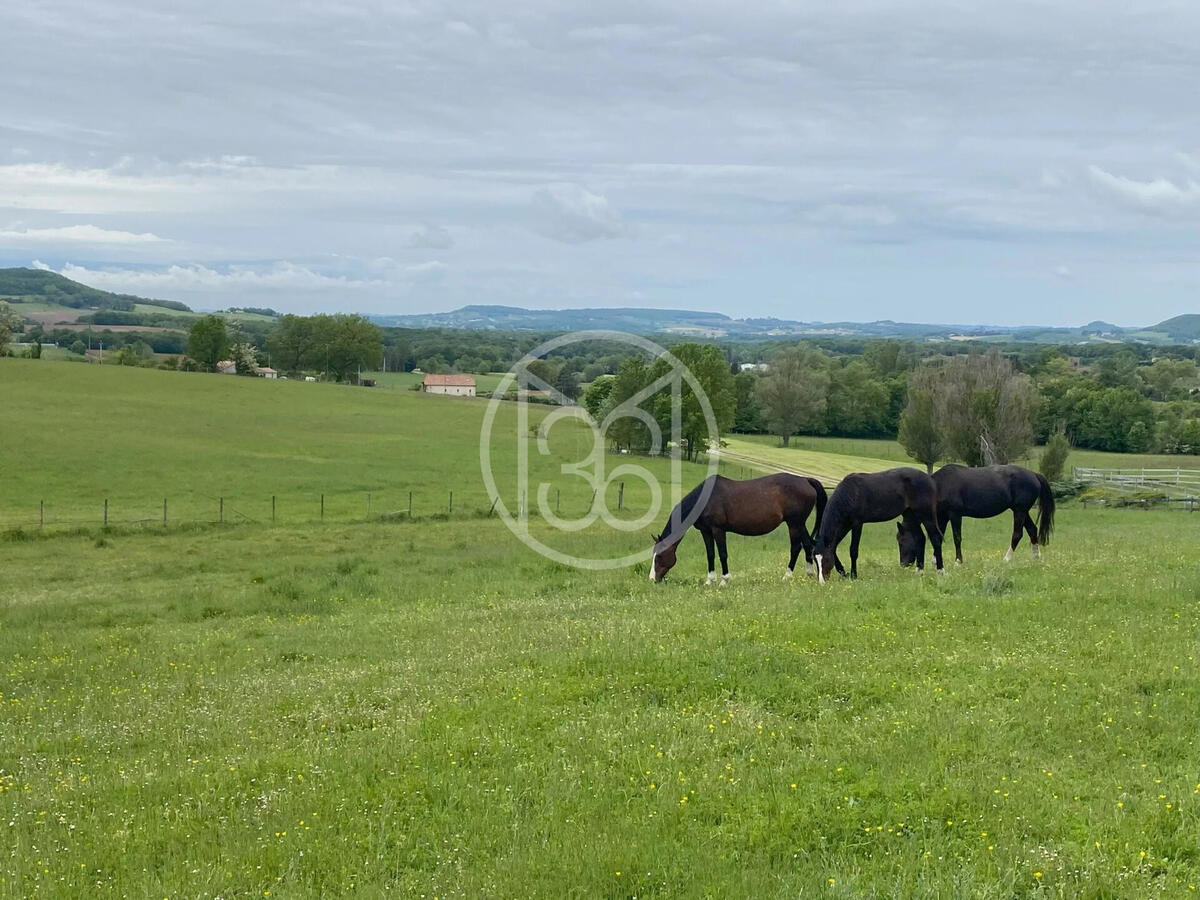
927	161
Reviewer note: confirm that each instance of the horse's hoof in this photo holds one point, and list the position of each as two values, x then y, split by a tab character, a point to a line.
787	574
724	580
920	571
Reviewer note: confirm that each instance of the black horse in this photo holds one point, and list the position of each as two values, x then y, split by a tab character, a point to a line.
751	507
877	497
980	493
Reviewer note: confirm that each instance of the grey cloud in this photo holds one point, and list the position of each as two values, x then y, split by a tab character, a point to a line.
574	215
868	150
432	237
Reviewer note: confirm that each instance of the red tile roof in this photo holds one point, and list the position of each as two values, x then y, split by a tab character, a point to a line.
449	381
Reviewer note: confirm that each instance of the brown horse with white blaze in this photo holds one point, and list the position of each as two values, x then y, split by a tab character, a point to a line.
753	507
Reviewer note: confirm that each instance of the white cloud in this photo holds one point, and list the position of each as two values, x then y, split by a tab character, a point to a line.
281	275
85	234
1159	197
572	214
1062	271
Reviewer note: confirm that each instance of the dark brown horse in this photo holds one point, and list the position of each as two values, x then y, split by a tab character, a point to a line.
753	507
980	493
877	497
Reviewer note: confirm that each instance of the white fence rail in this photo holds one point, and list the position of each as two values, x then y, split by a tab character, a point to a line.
1172	482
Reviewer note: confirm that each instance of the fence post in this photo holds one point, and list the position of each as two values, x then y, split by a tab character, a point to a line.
495	500
450	510
164	511
557	499
105	510
272	509
221	509
410	504
621	496
41	514
368	504
322	507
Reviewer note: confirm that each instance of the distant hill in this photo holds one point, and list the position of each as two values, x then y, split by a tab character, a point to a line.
37	286
1183	329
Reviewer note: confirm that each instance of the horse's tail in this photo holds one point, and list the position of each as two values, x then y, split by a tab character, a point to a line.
1045	509
822	499
937	523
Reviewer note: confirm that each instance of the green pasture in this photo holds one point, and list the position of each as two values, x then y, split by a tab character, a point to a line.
406	381
767	447
430	708
372	704
214	445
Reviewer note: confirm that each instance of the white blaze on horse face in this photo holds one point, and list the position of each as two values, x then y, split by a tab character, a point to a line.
820	569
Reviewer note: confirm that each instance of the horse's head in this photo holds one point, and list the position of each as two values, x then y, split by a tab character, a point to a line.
911	542
663	558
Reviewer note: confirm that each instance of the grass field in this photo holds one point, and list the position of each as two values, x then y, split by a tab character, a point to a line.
138	436
893	453
429	708
432	709
405	381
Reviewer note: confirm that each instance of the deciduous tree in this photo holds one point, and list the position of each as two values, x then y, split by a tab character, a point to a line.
792	393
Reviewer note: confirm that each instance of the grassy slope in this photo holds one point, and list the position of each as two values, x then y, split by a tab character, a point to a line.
432	709
405	380
137	436
891	451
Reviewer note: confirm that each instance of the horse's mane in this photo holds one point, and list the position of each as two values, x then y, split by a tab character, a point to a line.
842	500
672	533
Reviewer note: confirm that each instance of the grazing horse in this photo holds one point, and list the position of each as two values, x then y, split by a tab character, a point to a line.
877	497
752	507
980	493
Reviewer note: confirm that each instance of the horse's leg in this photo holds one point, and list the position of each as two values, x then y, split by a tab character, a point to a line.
956	524
855	534
719	534
708	550
794	532
809	545
1031	530
935	538
1018	522
912	523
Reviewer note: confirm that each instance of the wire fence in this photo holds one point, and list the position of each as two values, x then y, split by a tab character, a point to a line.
570	499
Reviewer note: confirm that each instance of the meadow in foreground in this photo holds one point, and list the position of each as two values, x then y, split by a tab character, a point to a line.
433	710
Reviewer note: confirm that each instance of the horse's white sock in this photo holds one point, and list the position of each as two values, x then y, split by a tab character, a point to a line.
1037	551
787	573
712	576
724	580
1008	555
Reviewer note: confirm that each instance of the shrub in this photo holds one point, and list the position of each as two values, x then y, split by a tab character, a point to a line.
1054	457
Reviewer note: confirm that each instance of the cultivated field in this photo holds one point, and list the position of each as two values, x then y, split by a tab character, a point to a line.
428	708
